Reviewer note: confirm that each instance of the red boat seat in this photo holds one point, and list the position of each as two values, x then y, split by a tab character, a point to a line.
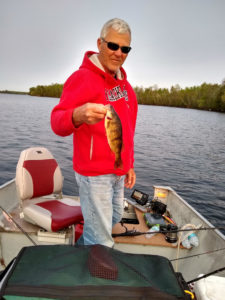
37	175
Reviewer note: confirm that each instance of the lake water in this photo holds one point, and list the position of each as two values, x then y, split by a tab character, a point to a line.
181	148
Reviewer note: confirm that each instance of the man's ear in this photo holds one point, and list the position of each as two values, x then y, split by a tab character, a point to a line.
99	42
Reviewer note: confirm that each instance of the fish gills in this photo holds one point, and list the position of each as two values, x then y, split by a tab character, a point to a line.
113	129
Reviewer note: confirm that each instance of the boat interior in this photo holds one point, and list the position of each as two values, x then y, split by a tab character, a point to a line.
34	216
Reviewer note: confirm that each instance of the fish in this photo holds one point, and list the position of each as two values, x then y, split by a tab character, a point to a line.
113	129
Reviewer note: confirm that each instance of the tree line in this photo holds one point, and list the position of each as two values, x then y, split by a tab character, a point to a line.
53	90
13	92
206	96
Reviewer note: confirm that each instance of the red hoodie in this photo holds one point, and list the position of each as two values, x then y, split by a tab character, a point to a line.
92	155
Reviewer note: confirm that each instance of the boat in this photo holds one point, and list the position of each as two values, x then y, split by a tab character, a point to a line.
132	236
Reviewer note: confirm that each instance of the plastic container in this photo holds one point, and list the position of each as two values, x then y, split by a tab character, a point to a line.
186	243
154	229
153	219
193	239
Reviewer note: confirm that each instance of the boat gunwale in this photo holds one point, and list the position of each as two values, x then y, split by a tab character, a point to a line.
199	215
7	183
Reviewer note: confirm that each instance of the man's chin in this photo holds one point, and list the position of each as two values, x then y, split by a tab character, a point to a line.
111	71
114	69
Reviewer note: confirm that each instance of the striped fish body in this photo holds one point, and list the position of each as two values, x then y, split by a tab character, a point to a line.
113	129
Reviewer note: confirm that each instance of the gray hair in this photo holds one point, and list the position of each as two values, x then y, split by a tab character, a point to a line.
117	24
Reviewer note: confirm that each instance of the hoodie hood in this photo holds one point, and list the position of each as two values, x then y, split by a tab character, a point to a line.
91	62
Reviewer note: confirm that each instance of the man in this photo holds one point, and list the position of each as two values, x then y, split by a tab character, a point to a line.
82	111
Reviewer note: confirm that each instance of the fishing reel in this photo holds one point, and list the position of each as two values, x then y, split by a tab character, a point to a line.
171	234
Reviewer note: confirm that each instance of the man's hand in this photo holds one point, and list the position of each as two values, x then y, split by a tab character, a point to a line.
89	113
130	179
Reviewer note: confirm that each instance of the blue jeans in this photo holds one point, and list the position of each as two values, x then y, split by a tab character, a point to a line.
101	199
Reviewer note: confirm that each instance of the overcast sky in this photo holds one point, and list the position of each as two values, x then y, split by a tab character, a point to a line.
173	41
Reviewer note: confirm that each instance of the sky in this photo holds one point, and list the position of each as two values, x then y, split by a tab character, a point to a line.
173	41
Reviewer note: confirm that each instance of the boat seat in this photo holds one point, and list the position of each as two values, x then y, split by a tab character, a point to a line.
37	175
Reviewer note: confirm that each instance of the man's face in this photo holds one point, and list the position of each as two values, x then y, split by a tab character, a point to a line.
113	60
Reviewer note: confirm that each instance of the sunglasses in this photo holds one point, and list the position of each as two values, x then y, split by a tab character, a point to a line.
114	47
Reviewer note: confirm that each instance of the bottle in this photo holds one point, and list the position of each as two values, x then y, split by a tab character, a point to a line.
186	243
193	239
154	229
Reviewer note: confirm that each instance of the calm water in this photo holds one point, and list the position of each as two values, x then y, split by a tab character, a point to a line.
182	148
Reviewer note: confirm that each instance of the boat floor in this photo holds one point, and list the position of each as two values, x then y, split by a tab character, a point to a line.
155	240
10	226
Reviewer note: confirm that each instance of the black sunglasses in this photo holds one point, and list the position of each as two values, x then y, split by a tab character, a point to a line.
114	47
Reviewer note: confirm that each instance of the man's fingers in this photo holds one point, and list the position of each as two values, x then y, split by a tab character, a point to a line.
94	113
96	108
130	180
100	108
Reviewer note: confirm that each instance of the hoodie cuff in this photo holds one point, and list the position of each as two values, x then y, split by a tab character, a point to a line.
70	117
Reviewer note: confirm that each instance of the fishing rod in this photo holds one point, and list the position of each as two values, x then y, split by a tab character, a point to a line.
206	275
163	229
18	226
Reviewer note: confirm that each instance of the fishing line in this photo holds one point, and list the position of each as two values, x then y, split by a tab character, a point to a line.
208	252
18	226
206	275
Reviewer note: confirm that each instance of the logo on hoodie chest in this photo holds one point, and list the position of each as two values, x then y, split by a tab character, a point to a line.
116	93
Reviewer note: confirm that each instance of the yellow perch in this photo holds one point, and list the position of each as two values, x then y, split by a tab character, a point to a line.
113	129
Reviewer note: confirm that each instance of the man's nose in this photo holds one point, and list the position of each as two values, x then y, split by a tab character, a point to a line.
118	52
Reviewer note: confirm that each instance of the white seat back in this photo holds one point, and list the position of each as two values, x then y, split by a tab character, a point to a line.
37	174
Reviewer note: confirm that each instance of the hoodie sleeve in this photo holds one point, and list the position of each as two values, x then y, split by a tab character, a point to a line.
73	95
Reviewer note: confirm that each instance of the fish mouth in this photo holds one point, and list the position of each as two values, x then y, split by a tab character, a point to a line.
108	113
